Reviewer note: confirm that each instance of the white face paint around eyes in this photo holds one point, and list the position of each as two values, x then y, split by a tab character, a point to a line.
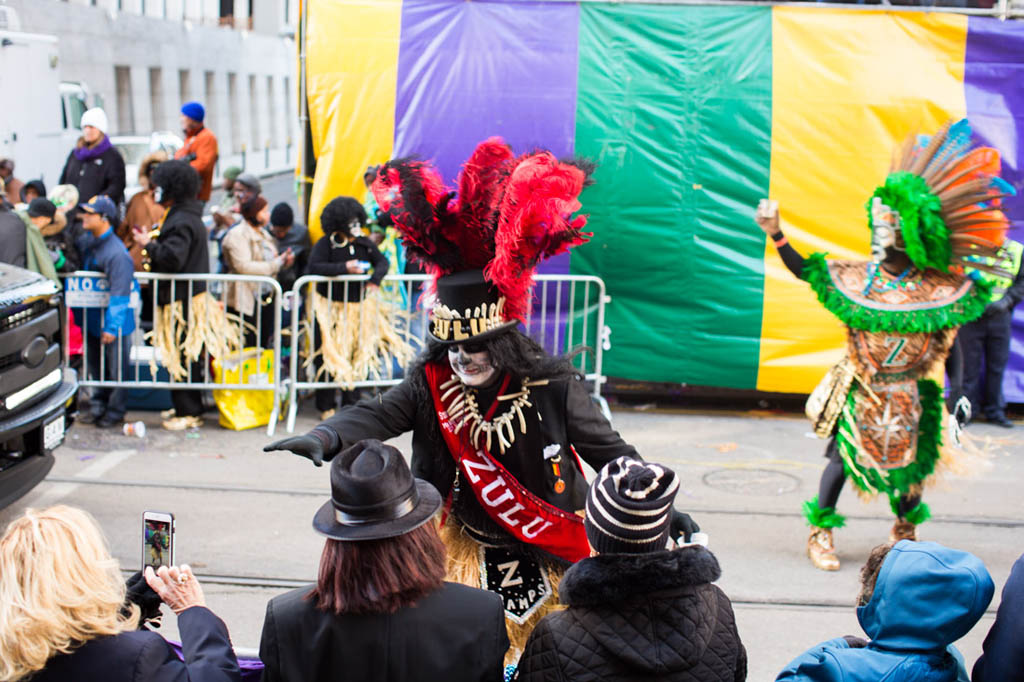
473	369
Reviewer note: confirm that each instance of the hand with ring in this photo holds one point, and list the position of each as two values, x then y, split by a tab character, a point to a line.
177	587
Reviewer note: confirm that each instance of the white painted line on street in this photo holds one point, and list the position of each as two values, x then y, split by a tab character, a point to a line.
56	493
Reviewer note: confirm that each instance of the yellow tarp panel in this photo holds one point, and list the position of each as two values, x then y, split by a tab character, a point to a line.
352	62
847	86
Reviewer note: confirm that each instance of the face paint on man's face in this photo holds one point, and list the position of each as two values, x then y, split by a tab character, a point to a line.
473	369
885	225
883	238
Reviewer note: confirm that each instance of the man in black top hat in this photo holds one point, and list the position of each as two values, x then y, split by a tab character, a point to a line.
497	423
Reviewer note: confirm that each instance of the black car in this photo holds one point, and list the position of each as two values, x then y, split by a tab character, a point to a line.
37	389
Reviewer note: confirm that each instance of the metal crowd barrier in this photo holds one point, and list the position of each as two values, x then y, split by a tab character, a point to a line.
568	312
89	289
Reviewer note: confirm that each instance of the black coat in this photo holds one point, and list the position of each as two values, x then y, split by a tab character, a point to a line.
102	175
12	238
455	634
328	259
568	417
638	617
144	656
180	248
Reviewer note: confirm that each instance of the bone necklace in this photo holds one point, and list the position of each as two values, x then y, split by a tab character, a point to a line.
465	413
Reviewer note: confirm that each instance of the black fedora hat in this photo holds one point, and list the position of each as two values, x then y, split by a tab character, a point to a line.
374	495
468	309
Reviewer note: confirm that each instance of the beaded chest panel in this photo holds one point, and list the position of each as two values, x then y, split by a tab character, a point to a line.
888	429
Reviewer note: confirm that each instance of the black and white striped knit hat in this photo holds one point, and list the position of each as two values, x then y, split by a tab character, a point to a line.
629	507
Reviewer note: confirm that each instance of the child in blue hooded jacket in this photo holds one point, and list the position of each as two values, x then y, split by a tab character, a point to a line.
917	599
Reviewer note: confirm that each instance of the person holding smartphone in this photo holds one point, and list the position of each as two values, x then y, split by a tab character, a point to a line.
343	250
63	614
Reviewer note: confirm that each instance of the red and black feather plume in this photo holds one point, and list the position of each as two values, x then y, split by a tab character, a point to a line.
535	223
480	188
413	194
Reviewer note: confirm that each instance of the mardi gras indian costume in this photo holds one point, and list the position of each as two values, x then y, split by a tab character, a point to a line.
882	406
497	424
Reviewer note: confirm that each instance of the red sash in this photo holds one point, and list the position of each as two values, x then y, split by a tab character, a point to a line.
519	512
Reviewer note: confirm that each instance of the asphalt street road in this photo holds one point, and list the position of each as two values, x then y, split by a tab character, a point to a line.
244	516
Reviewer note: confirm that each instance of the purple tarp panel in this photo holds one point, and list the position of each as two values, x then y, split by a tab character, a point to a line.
994	89
252	668
470	70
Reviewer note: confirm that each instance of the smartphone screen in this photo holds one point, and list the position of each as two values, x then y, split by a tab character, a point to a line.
157	539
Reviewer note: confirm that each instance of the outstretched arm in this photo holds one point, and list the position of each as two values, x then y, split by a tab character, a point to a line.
767	218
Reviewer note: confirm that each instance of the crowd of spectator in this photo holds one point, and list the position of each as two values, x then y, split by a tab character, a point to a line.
643	607
167	227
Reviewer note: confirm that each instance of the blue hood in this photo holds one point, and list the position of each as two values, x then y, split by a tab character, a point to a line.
926	597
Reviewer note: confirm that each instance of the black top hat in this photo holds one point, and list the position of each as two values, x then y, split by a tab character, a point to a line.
374	495
468	309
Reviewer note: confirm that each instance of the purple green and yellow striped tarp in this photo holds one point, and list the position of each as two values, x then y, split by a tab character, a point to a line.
693	113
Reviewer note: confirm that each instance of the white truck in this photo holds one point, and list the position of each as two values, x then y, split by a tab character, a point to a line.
40	116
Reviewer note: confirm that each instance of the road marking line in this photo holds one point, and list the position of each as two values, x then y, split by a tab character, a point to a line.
94	471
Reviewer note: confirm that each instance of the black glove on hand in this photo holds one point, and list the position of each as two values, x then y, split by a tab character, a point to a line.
139	592
682	525
307	446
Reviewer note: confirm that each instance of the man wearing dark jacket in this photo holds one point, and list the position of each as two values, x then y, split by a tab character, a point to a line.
178	247
986	340
94	166
640	608
12	237
290	235
109	334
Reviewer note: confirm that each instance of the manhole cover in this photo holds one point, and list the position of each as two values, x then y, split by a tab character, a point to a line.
752	481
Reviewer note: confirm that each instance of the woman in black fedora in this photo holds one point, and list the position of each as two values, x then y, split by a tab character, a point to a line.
380	609
497	423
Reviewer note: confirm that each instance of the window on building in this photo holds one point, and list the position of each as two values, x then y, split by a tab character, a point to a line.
210	92
227	12
184	86
288	124
156	98
254	114
236	137
125	105
272	131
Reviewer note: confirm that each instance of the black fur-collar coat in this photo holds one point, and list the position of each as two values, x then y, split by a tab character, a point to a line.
638	617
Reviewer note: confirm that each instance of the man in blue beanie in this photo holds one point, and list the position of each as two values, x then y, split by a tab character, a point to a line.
200	149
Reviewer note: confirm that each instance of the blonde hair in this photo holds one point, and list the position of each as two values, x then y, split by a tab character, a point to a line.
59	588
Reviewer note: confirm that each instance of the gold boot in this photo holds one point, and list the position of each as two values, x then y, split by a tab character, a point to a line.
821	550
902	530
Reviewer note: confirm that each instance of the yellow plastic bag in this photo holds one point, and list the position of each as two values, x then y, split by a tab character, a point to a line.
244	409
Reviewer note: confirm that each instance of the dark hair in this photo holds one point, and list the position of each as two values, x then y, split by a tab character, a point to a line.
282	215
869	573
251	209
379	576
37	185
339	213
178	181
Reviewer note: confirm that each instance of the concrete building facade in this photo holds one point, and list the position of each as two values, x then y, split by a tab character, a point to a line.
141	59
